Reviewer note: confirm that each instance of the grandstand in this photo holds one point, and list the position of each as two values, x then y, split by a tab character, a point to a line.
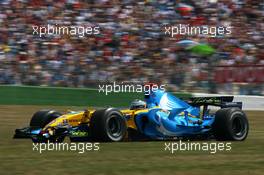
132	46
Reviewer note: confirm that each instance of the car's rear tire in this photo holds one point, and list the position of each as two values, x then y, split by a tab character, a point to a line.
230	124
41	118
108	125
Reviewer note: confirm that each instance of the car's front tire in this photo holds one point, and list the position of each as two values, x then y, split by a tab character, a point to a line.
40	119
230	124
108	125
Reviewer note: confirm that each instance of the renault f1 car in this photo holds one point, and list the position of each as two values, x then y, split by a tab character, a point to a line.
161	116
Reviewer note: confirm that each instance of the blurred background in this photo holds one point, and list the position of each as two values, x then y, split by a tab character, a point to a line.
132	45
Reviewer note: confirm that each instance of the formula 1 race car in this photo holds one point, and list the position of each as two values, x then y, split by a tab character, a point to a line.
161	116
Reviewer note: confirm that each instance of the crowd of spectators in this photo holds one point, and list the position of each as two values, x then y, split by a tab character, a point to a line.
131	45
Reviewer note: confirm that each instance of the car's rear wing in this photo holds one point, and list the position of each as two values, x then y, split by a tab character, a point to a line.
221	101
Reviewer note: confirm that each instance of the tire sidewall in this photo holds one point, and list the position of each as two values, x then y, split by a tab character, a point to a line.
99	125
223	124
234	114
122	123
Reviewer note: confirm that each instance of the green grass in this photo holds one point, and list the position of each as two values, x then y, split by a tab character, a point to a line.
17	157
32	95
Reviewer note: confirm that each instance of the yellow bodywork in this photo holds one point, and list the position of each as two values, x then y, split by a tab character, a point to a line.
76	118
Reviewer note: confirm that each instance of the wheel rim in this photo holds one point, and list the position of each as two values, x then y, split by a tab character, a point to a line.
114	127
238	127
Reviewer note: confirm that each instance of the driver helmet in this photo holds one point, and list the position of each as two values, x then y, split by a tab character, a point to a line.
138	104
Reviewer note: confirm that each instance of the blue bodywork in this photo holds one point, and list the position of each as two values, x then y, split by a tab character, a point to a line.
171	117
167	117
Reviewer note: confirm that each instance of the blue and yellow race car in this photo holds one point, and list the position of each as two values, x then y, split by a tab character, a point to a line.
161	116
